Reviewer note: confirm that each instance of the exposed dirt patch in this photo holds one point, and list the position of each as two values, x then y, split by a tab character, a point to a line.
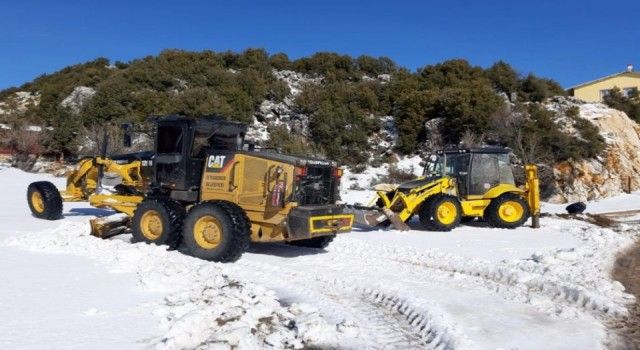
627	271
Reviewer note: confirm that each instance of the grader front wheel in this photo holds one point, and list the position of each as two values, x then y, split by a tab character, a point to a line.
44	200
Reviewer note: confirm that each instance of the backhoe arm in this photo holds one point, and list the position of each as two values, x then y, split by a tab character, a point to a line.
533	194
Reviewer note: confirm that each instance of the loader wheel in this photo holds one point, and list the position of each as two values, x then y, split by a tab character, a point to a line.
507	211
316	242
44	200
158	221
217	231
441	213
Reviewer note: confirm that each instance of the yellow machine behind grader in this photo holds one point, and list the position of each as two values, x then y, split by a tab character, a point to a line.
459	185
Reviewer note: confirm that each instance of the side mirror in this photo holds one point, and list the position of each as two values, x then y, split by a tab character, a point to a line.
126	137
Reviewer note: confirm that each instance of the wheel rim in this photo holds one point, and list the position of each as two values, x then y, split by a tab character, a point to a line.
511	211
37	202
151	225
207	232
447	213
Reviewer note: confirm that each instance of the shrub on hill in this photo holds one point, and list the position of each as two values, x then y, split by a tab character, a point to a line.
629	104
344	109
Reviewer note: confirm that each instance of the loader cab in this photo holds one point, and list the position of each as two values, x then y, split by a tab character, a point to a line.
476	170
182	144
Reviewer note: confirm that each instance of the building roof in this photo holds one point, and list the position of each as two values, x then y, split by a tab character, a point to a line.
633	74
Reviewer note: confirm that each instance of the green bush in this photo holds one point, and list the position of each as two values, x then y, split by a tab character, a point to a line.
542	127
628	104
342	118
282	139
344	109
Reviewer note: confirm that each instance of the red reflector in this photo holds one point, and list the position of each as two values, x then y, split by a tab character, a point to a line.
337	172
301	171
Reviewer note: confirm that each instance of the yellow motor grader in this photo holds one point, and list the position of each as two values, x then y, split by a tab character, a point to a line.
204	188
460	185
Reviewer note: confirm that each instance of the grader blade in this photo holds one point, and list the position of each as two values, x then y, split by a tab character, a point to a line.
109	226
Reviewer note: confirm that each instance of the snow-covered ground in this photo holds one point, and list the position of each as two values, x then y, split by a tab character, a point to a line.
471	288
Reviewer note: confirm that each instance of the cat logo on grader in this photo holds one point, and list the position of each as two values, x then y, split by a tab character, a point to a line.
216	162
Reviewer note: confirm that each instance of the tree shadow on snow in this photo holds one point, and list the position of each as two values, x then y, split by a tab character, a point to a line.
89	212
283	250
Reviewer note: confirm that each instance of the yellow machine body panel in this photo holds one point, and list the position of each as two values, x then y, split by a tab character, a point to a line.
260	186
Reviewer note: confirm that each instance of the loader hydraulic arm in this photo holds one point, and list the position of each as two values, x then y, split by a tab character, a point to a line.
532	188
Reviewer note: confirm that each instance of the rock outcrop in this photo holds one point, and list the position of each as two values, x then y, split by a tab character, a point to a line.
78	98
612	172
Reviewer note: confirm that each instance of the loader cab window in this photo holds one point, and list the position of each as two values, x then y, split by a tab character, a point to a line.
169	139
488	171
457	167
433	166
457	164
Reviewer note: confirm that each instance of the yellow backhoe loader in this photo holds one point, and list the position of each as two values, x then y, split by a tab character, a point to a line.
459	185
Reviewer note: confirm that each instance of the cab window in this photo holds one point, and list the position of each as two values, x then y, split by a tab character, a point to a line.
169	139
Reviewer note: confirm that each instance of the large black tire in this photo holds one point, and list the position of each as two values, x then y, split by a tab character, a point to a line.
316	242
158	221
467	219
44	200
217	231
441	213
496	213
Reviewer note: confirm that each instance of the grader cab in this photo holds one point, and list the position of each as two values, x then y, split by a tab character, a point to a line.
461	185
204	189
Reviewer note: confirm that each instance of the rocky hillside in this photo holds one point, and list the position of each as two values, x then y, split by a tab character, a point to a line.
365	112
612	172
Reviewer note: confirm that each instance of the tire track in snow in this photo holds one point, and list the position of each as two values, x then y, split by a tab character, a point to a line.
391	321
521	285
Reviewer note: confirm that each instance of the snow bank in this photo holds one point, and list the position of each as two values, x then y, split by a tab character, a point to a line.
203	306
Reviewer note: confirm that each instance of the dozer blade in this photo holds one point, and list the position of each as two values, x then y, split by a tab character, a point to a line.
374	217
109	226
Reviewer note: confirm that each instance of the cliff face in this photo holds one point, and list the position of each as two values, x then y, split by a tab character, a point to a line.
609	174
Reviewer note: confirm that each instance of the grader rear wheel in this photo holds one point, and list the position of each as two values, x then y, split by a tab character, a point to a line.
217	231
44	200
158	221
316	242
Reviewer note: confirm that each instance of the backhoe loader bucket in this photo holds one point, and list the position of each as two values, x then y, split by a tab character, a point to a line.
374	217
109	226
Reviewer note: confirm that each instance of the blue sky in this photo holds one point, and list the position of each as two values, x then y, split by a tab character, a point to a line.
570	41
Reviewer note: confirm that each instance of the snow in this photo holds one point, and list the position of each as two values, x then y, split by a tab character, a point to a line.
471	288
618	203
363	180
